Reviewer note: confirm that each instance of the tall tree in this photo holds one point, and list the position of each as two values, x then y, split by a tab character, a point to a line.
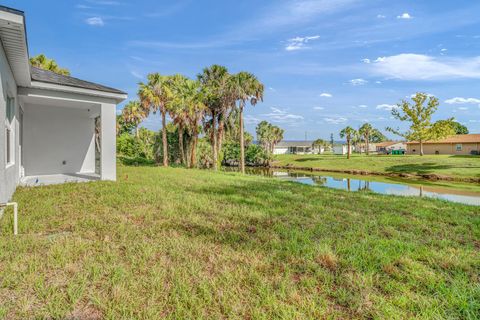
365	131
245	88
419	116
332	142
42	62
155	95
349	134
179	110
218	100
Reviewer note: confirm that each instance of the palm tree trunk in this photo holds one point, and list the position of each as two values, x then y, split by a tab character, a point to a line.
242	143
193	153
136	131
180	143
367	138
215	146
421	147
348	148
164	139
221	130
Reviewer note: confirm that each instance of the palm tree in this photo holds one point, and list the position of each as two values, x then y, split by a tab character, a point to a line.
155	95
42	62
348	133
365	131
245	87
215	80
179	110
134	113
196	111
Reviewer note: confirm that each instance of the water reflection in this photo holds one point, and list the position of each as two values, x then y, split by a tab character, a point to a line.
400	188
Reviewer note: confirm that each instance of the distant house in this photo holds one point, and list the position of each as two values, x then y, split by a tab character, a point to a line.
362	147
297	147
388	146
342	149
55	127
461	144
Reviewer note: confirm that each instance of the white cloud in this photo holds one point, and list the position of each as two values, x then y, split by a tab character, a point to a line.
326	95
318	108
366	60
358	82
460	100
410	66
381	16
388	107
136	75
272	89
251	120
95	21
462	108
363	106
336	120
282	116
299	43
405	16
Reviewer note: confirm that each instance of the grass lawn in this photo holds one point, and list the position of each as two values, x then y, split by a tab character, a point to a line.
190	244
445	165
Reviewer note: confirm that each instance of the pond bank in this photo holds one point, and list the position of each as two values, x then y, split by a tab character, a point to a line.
428	176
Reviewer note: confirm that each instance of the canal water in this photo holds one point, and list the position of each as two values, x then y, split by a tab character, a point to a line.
356	183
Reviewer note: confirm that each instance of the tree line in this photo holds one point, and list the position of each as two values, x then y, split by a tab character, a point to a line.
207	108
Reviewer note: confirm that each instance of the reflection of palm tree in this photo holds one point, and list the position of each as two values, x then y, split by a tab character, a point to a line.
319	180
365	187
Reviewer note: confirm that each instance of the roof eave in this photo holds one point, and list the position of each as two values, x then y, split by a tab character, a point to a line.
118	97
12	23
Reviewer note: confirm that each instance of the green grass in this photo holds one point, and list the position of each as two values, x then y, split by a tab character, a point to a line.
444	165
189	244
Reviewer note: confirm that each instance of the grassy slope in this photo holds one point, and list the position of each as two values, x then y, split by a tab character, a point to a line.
195	244
453	166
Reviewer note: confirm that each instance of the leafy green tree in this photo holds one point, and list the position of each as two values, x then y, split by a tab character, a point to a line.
457	127
42	62
246	88
365	131
123	126
376	136
320	143
156	95
349	134
419	116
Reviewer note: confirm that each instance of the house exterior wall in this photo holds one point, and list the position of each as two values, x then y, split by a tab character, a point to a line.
280	150
58	140
9	175
443	148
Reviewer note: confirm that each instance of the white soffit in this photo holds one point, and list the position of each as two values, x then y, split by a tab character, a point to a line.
14	41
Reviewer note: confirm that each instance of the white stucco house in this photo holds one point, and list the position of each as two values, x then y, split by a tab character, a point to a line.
54	127
297	147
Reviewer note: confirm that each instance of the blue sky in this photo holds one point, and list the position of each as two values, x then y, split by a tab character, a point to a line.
325	63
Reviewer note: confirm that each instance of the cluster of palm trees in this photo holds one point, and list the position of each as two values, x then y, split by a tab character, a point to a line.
208	105
363	134
269	135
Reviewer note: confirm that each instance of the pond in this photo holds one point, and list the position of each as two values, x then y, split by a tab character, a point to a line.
375	184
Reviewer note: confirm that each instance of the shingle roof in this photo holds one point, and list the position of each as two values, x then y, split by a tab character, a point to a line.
54	78
387	143
459	138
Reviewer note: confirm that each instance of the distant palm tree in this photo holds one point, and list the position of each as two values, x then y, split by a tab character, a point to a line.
195	114
348	133
134	113
365	132
245	87
42	62
156	95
